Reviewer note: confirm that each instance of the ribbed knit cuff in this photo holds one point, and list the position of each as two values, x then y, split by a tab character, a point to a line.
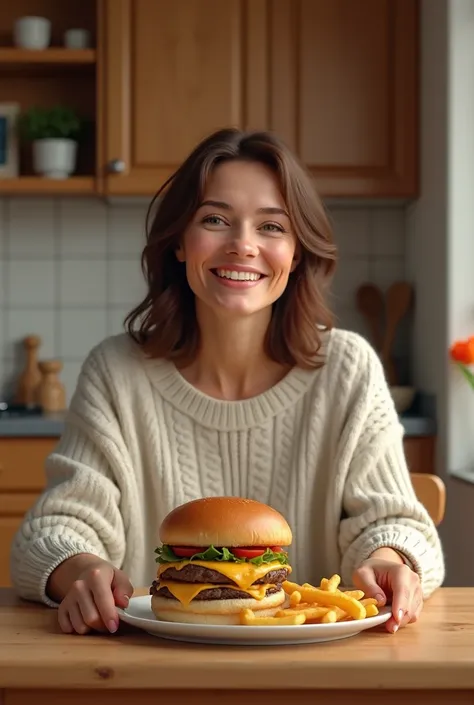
424	559
30	575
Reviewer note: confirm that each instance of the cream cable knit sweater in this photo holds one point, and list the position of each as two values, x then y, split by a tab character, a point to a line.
323	447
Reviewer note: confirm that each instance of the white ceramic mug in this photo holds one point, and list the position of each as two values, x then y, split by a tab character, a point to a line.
32	32
77	39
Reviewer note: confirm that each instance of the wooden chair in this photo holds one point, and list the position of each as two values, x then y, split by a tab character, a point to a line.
431	491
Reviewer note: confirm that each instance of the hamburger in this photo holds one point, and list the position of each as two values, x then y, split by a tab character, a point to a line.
218	556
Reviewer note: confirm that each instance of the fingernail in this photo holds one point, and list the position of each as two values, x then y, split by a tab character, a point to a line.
380	598
395	628
400	615
113	626
126	599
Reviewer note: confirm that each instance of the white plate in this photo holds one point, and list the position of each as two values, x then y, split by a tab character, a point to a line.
139	614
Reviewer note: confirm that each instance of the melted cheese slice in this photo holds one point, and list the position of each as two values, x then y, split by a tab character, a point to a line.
185	592
242	574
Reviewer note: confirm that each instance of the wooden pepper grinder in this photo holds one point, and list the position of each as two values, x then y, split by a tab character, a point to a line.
51	394
31	375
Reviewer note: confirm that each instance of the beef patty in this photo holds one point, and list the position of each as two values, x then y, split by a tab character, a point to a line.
226	593
199	574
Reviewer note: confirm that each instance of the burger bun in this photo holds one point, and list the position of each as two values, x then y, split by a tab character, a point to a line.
225	521
215	611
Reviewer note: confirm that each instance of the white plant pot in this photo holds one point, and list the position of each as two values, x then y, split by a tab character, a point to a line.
54	158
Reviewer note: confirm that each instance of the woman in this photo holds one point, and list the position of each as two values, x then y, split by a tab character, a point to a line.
230	380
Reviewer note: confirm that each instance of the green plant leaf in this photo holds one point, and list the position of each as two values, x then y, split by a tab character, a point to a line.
49	123
467	373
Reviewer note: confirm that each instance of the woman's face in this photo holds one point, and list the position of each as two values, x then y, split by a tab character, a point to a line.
239	248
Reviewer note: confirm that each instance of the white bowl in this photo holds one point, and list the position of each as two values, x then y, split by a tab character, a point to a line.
403	398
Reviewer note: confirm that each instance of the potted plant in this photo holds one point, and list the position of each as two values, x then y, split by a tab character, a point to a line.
53	133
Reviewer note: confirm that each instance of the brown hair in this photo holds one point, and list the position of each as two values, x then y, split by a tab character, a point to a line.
166	318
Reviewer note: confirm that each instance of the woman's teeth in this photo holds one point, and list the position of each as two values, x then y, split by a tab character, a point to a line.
241	276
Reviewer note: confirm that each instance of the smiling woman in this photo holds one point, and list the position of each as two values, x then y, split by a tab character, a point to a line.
231	380
243	215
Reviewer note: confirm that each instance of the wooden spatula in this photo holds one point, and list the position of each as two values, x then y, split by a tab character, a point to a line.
398	300
371	304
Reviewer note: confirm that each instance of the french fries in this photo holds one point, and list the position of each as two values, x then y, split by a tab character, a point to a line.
308	604
248	618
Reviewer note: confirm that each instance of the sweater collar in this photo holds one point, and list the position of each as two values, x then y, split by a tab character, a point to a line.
227	415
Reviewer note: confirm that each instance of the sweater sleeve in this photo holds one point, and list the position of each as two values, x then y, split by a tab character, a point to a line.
79	511
380	505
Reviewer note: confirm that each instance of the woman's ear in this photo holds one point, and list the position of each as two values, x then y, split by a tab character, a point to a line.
296	259
180	256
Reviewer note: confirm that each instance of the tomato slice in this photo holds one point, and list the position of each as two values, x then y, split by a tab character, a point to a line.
247	552
185	552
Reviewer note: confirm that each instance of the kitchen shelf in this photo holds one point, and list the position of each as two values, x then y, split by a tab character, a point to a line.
36	185
9	56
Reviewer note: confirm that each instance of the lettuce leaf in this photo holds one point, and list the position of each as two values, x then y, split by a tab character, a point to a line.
165	554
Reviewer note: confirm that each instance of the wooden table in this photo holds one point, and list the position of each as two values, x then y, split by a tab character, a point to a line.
428	662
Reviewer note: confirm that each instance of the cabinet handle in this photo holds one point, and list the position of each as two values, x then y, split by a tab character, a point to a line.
116	166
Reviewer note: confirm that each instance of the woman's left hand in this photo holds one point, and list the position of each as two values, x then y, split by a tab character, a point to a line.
386	578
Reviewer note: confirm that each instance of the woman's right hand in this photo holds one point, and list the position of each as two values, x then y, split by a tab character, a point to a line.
90	603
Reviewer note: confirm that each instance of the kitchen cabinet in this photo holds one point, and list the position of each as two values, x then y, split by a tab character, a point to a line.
22	479
337	79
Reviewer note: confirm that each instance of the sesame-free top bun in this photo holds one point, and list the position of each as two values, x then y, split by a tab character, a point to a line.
225	521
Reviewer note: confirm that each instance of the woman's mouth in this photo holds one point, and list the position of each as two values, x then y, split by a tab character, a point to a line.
232	277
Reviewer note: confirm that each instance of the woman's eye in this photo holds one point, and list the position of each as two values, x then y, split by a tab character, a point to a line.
213	220
273	228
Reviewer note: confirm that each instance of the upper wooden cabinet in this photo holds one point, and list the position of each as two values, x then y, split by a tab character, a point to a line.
343	91
337	79
174	72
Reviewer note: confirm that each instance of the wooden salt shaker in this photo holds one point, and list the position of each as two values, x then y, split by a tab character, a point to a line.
30	378
51	393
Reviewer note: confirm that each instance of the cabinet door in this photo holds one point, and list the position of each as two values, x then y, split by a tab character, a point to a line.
173	73
335	78
22	479
342	91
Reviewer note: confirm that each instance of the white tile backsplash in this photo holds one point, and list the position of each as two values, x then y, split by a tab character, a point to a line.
348	277
352	229
31	283
3	282
31	228
388	232
70	271
384	272
126	283
126	231
80	330
115	320
83	228
83	283
23	322
3	224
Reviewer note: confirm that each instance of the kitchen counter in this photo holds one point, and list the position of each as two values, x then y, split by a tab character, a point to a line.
431	661
46	425
53	424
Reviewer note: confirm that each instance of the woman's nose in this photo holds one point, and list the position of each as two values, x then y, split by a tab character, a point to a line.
242	243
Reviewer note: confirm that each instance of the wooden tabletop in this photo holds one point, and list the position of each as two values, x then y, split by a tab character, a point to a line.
437	652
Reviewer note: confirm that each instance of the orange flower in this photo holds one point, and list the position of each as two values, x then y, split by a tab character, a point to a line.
463	351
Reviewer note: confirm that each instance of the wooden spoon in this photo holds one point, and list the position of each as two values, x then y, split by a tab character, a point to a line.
398	299
371	305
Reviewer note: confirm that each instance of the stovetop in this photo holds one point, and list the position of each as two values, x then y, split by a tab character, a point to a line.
15	411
